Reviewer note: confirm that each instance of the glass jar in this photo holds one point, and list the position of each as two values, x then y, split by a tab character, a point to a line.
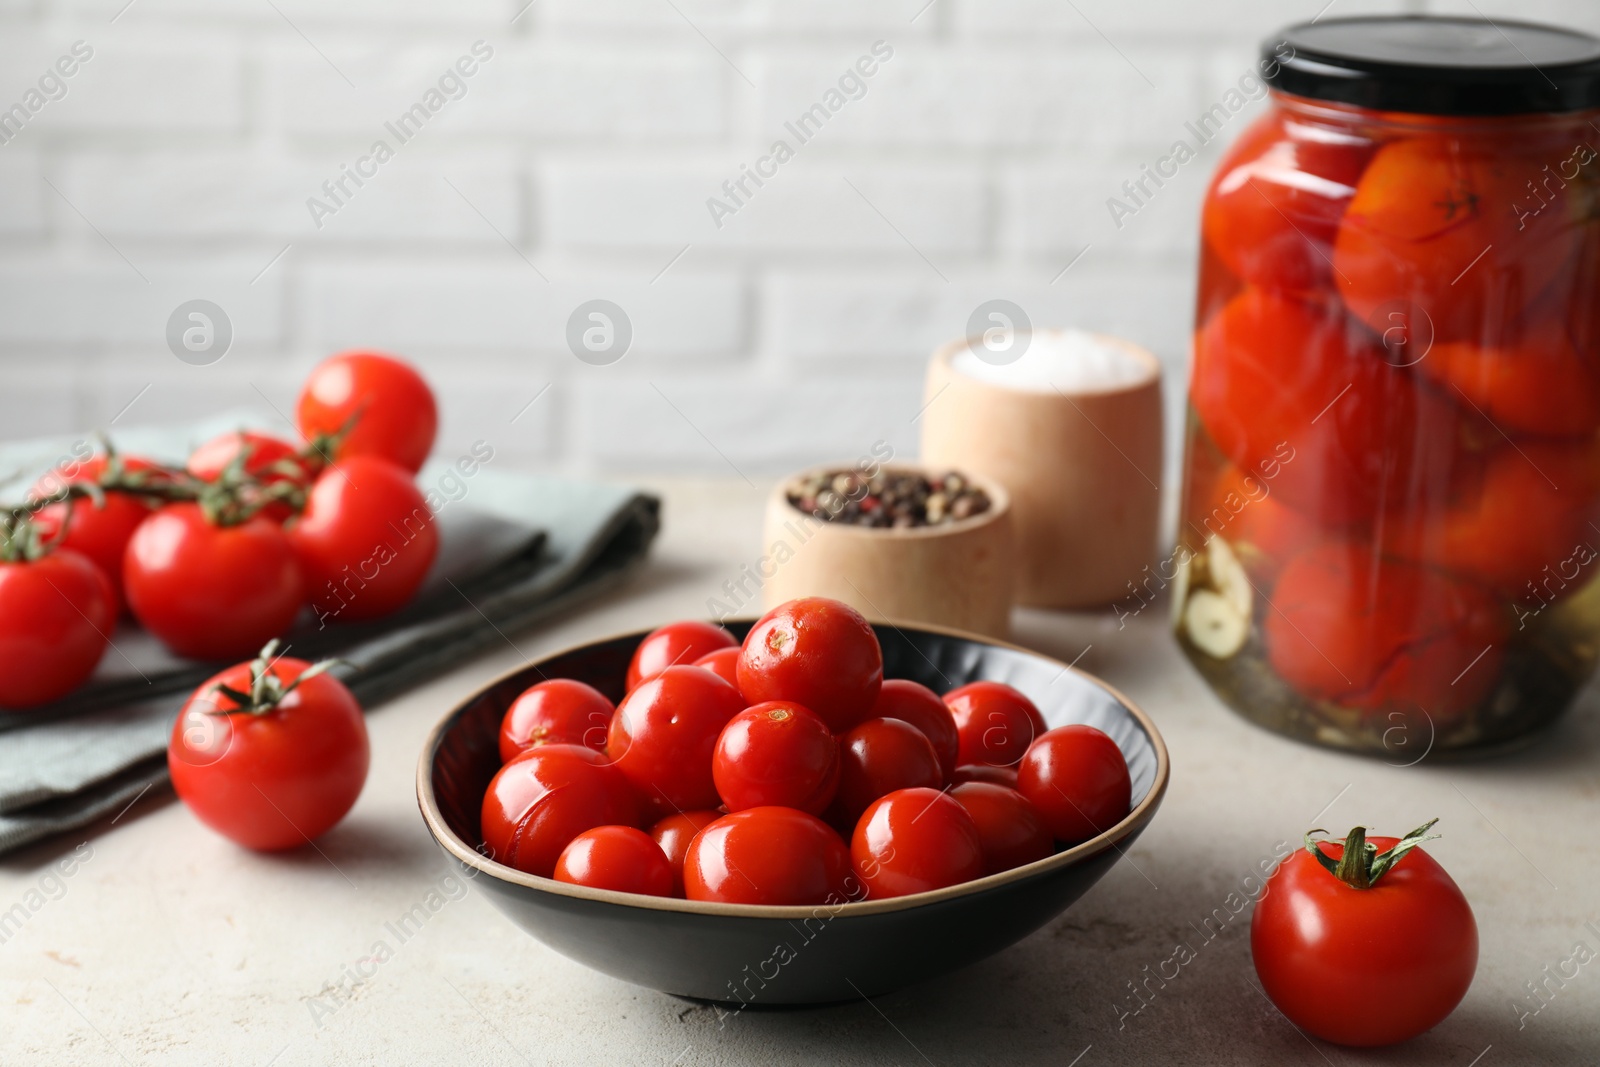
1390	530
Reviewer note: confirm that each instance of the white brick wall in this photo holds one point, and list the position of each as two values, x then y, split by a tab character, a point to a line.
577	165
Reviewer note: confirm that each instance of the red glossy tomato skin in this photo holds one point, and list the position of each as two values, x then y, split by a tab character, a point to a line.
272	459
912	702
673	644
817	652
915	841
776	754
664	734
546	796
396	415
559	711
1077	779
56	616
995	723
1364	967
1383	634
212	592
724	663
100	533
276	780
620	858
982	772
1009	827
770	855
879	757
673	835
365	540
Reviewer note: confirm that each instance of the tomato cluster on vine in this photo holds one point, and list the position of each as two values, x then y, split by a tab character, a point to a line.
219	556
788	771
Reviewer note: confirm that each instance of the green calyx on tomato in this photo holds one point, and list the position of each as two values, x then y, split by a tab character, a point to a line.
1362	864
267	690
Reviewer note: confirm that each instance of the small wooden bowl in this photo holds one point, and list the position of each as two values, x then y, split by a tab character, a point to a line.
958	574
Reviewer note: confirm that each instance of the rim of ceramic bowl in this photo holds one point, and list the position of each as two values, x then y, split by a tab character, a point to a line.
944	358
1136	818
999	505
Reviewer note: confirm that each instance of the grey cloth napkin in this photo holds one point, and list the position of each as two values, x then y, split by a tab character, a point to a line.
514	550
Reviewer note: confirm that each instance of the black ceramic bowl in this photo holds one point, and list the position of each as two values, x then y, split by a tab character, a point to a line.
743	954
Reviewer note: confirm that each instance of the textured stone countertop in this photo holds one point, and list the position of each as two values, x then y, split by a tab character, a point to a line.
166	944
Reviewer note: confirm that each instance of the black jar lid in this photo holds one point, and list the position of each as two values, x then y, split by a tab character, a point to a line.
1436	66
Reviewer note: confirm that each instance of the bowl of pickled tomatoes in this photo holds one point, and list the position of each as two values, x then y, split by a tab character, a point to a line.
802	808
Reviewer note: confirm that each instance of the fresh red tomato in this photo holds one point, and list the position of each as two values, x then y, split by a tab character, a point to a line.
1077	779
1431	224
817	652
209	591
620	858
272	459
678	642
664	733
1274	206
545	797
559	711
914	841
920	706
878	757
277	769
383	404
673	835
982	772
56	617
1010	829
995	722
365	541
1363	958
768	856
724	663
776	754
1381	634
100	532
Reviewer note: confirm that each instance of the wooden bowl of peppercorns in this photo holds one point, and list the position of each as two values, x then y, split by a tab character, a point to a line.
898	543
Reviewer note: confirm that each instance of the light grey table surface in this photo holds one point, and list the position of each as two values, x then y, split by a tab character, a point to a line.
167	944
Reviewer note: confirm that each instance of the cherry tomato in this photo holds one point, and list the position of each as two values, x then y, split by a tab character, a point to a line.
676	643
546	796
395	416
1274	207
673	835
1077	779
1534	382
920	706
768	856
996	723
365	541
817	652
559	711
982	772
1379	634
208	591
878	757
1294	391
272	459
620	858
1009	828
274	773
56	617
724	663
914	841
664	733
1431	226
776	754
1364	967
100	532
1262	530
